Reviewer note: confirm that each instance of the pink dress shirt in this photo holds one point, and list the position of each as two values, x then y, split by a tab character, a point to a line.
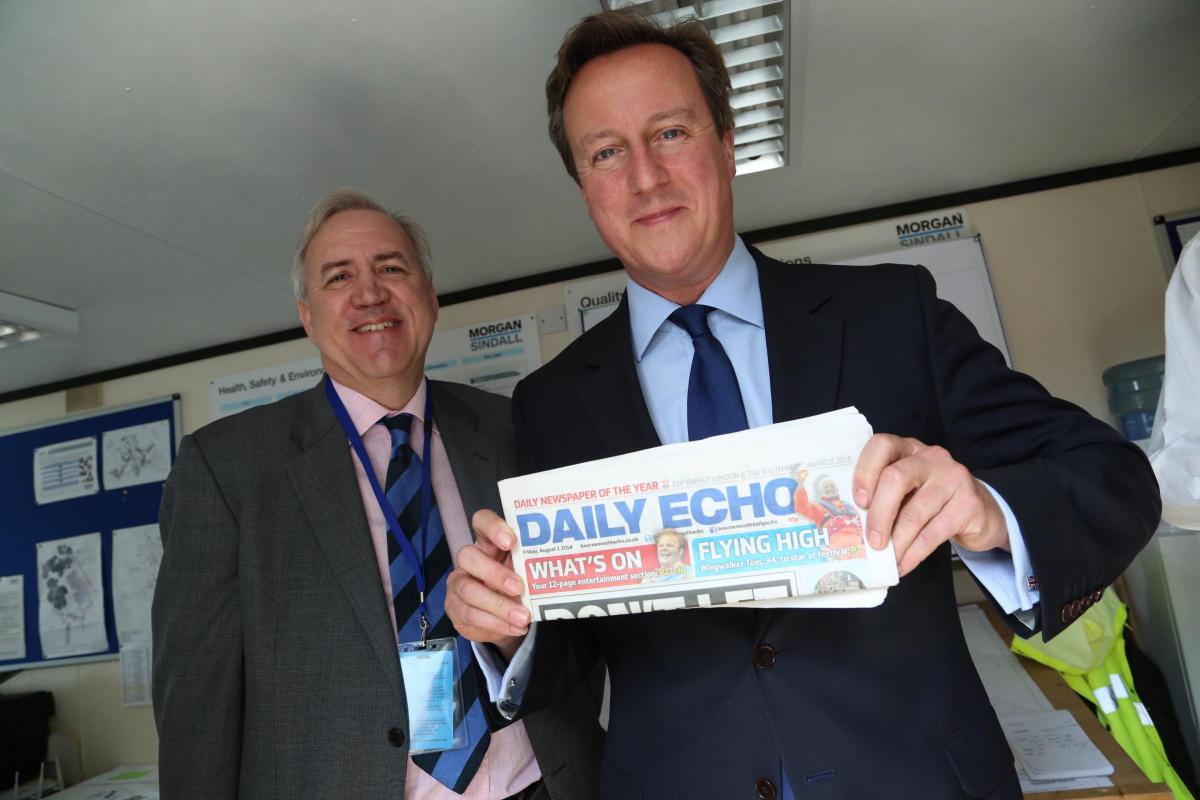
509	765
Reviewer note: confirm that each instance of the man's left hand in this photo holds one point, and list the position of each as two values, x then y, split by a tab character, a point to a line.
919	496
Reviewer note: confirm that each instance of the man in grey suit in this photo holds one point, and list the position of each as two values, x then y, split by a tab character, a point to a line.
276	671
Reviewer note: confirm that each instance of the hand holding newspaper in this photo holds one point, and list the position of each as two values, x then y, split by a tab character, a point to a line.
762	517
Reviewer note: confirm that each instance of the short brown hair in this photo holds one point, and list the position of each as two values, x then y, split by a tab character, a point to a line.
346	199
609	31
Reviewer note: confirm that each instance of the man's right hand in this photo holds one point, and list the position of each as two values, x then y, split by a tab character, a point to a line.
482	593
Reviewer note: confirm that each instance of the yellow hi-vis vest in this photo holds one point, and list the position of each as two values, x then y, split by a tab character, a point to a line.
1090	655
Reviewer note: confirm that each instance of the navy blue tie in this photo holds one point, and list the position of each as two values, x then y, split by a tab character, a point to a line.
714	402
452	768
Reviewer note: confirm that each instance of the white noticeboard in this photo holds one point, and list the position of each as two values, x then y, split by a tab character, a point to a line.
962	278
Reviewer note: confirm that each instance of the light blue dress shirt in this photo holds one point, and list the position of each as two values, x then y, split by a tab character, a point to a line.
663	352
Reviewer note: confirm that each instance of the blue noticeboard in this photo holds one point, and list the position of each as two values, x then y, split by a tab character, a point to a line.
88	473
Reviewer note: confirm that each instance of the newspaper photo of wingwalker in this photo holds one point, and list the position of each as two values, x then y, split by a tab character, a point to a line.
762	517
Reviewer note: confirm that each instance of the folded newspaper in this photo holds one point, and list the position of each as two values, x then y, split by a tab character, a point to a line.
762	517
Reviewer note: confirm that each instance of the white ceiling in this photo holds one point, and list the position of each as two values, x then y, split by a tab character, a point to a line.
157	158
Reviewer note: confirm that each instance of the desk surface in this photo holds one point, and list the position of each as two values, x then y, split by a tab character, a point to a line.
129	782
1128	780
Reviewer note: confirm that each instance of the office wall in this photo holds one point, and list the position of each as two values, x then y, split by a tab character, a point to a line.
1077	276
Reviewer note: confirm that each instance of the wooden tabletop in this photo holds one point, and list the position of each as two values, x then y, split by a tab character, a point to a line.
1128	780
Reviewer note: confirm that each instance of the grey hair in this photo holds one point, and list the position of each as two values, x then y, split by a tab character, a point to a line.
353	200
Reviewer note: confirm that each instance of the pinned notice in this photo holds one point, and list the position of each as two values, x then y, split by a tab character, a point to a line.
65	470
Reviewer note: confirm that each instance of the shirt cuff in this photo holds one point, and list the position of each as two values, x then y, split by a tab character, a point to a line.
506	684
1177	467
1008	576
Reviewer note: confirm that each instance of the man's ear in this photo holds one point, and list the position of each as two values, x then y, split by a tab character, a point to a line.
305	317
433	300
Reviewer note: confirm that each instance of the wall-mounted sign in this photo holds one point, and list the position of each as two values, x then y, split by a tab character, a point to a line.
492	356
588	302
233	393
828	247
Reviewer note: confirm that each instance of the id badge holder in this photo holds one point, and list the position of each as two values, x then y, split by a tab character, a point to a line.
431	683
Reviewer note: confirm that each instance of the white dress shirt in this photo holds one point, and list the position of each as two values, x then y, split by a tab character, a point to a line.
1175	441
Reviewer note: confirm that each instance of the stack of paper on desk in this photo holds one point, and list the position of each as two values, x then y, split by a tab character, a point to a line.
1051	745
762	517
1050	752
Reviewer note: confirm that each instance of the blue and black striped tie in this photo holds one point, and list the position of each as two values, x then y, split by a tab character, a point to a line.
453	768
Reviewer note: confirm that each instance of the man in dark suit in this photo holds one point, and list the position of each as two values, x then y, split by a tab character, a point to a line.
276	669
1044	503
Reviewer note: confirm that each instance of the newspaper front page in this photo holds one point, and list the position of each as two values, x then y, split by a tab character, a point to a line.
762	517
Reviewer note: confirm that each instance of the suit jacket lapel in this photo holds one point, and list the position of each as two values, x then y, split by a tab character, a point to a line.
804	340
609	390
804	356
471	450
323	477
804	350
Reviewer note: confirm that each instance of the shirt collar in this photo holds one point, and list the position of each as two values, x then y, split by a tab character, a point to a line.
734	291
365	412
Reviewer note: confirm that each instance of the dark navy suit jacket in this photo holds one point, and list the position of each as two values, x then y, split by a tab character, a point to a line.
862	703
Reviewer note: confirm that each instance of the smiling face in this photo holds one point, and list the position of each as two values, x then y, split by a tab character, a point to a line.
653	171
370	308
828	489
670	549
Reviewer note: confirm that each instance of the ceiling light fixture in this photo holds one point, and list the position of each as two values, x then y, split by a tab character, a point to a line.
753	37
24	320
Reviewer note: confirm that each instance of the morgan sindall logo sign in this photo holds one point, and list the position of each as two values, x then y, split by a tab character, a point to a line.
932	228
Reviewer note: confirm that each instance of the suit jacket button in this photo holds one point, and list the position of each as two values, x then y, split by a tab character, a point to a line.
396	737
765	790
764	658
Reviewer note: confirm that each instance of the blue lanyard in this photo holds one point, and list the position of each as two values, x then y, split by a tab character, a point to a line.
389	515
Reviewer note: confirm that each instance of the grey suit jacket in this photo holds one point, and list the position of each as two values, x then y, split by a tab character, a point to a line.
275	668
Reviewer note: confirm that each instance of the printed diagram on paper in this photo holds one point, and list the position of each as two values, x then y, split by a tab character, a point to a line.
71	596
137	553
137	454
65	470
